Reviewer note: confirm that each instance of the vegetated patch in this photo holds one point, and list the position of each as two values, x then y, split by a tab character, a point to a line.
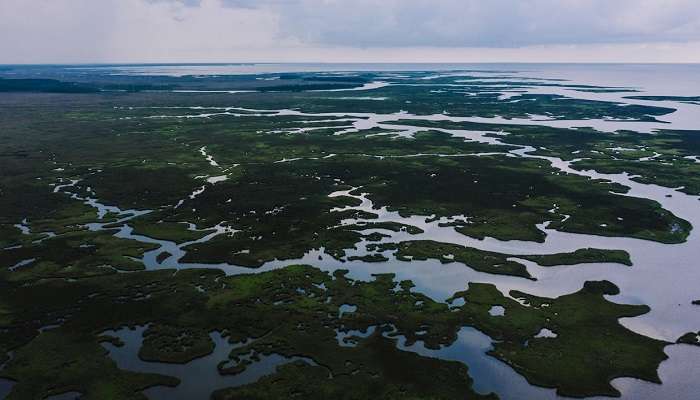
495	263
692	338
581	256
294	311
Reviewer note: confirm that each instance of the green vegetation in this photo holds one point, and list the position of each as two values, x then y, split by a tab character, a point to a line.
479	260
369	258
174	344
72	255
57	361
132	143
387	373
667	98
42	85
494	263
581	256
164	230
590	347
661	158
690	338
390	226
294	311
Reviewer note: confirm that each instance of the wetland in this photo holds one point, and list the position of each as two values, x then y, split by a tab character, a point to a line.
455	233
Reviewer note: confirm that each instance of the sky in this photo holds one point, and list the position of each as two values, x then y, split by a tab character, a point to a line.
135	31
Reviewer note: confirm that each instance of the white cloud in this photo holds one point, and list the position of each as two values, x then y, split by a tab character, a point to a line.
129	30
494	23
348	30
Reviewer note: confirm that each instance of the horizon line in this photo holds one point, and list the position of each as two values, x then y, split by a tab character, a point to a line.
177	63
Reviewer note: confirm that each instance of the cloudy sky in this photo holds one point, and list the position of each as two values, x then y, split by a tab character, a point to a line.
53	31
